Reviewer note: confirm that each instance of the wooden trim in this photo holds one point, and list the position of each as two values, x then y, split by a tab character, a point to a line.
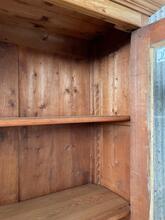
12	122
123	17
144	7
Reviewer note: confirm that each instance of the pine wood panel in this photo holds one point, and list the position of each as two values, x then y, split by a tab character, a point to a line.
116	159
8	107
83	203
41	40
9	80
139	140
45	16
51	85
145	7
140	87
110	83
53	159
8	165
27	121
104	10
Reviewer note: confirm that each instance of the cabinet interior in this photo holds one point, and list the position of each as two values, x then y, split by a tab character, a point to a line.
73	69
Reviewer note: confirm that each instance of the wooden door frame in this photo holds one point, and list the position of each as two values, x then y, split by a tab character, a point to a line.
140	91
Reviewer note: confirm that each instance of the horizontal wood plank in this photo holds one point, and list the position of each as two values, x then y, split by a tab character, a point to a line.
142	6
83	203
106	10
32	121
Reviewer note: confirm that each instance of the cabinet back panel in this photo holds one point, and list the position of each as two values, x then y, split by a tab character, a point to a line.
35	161
53	158
52	85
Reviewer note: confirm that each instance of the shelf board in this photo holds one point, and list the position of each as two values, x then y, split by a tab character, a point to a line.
83	202
32	121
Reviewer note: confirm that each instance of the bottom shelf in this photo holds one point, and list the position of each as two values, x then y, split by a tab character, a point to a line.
88	202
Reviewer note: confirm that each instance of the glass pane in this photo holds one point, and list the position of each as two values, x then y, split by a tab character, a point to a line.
159	133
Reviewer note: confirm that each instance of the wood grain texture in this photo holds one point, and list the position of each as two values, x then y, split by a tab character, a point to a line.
42	84
110	83
9	80
145	7
115	168
53	159
106	10
140	87
51	19
52	85
83	203
41	40
27	121
8	107
8	165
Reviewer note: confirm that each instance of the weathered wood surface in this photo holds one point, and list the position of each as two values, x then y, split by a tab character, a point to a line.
53	158
8	107
27	121
43	41
85	202
140	87
50	18
142	6
110	95
43	85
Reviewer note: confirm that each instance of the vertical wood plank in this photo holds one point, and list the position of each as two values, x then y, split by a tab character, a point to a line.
8	165
116	159
121	81
8	137
9	80
52	159
110	89
140	90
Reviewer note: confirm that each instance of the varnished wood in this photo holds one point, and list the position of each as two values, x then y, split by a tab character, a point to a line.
84	203
13	122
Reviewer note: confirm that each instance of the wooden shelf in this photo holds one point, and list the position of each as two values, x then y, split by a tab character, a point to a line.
84	202
13	122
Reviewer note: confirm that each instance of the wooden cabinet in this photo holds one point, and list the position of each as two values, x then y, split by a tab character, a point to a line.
71	116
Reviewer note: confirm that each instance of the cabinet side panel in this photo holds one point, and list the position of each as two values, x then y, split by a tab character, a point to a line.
8	137
115	159
110	83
